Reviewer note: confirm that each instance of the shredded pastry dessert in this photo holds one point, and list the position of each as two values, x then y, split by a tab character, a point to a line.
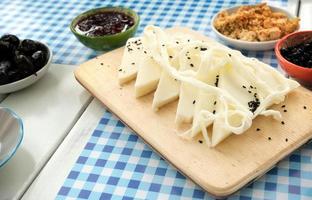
255	23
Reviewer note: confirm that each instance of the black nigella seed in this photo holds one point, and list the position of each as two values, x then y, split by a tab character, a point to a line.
133	63
258	129
304	107
217	81
163	45
249	91
253	105
175	79
200	141
286	139
196	48
203	49
283	106
170	56
269	138
189	58
285	110
214	112
244	86
282	122
177	42
188	40
251	87
120	70
230	55
191	65
145	52
194	101
214	103
102	63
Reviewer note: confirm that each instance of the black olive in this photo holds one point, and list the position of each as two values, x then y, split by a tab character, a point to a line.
39	59
4	79
15	75
12	39
5	49
17	53
19	59
24	63
5	66
41	47
28	47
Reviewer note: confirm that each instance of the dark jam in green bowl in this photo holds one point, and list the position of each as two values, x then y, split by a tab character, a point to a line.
105	28
104	23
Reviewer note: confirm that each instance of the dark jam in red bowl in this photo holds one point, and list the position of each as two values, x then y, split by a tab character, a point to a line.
104	23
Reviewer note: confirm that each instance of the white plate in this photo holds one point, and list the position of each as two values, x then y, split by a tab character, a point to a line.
11	134
240	44
27	81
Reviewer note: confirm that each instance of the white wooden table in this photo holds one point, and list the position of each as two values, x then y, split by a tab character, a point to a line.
59	117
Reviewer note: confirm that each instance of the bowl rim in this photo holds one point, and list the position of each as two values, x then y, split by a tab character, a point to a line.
290	15
280	57
37	72
106	8
20	136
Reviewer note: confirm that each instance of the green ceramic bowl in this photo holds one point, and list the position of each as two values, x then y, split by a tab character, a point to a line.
106	42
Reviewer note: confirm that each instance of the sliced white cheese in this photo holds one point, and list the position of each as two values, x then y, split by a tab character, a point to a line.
148	76
131	60
189	62
207	102
219	132
186	104
167	91
221	90
168	88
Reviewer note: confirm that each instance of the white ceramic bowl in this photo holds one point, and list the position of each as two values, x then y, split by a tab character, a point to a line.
11	134
240	44
27	81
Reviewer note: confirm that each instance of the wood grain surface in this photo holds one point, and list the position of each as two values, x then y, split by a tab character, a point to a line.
221	170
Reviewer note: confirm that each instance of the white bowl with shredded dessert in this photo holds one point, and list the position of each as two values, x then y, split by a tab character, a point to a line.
253	27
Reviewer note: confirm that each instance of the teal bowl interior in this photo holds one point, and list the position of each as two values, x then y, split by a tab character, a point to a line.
106	42
11	134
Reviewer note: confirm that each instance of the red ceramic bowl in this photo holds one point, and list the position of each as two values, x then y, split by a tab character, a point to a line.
301	74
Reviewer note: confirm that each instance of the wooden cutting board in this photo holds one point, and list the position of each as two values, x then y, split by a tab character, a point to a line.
222	170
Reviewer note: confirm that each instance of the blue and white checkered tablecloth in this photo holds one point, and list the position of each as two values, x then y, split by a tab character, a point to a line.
115	163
